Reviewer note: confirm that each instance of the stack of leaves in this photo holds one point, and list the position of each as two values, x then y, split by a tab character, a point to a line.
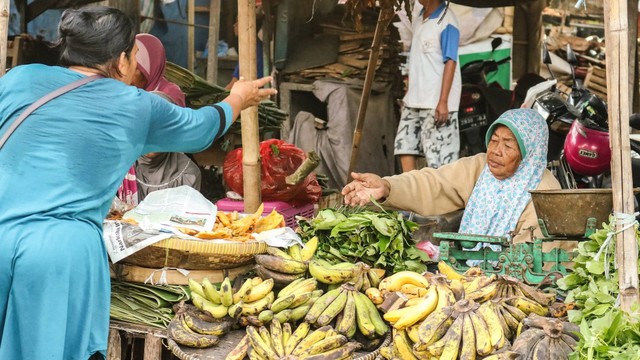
200	93
379	239
606	332
145	304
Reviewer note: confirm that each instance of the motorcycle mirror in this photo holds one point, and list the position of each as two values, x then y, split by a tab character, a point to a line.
571	56
495	43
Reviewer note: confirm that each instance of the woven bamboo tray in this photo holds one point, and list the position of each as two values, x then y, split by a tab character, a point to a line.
230	340
196	254
137	274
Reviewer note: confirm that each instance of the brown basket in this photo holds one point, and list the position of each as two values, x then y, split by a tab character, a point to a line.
196	254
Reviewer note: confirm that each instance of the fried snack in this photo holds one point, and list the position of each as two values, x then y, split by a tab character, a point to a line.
245	225
184	230
269	222
224	219
222	233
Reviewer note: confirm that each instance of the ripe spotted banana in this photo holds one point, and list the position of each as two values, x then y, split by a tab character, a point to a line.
226	292
333	309
240	351
433	328
468	349
452	340
331	275
419	311
494	325
401	346
256	307
210	291
259	291
300	333
259	345
529	306
242	292
276	337
483	337
310	339
281	265
321	304
204	327
347	325
274	251
327	344
183	335
278	277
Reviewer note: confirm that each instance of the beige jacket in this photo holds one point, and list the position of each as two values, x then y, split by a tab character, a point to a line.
439	191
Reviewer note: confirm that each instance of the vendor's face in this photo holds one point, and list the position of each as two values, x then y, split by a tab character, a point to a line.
139	80
128	65
503	153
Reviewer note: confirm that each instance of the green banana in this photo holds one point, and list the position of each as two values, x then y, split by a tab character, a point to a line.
321	304
377	321
283	316
332	310
295	253
256	307
330	275
363	318
210	291
195	287
283	303
347	325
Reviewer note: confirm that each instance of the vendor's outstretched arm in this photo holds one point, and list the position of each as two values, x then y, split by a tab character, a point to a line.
435	191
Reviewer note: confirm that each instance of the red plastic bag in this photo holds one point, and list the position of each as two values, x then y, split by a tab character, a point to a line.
279	160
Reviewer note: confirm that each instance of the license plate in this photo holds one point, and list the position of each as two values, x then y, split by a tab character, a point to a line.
468	122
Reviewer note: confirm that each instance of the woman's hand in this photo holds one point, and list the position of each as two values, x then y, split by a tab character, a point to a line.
250	91
364	187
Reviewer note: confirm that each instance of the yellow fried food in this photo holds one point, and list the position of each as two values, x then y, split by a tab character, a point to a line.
272	221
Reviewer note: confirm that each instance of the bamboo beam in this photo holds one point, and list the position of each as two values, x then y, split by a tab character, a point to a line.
621	42
212	42
249	117
4	34
384	17
191	19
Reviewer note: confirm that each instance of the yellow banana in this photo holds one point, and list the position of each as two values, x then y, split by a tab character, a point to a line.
183	335
205	327
314	337
483	294
242	292
217	311
295	253
433	328
226	292
327	344
330	275
457	288
256	307
301	298
256	280
276	337
395	281
240	351
518	314
210	291
274	251
412	333
445	296
309	249
252	354
259	345
342	352
494	325
446	270
453	338
420	311
529	306
468	349
402	347
235	310
195	287
286	334
483	337
288	289
259	291
474	271
509	319
281	265
283	303
300	333
412	291
374	295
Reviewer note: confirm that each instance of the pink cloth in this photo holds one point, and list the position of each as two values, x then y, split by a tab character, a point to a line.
128	190
152	62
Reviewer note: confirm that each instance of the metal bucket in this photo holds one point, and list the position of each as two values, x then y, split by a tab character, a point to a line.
565	212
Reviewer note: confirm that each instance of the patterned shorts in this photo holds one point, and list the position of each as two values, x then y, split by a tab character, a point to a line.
418	135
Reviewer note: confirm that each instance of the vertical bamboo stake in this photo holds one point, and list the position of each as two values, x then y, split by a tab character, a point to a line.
4	35
249	117
384	17
191	19
212	43
620	38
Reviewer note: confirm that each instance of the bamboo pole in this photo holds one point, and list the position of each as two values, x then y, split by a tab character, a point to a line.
212	42
621	42
4	35
191	19
384	17
249	117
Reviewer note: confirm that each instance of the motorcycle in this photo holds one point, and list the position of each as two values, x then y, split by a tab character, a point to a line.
480	102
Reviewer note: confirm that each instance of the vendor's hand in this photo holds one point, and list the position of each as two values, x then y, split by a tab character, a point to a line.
364	187
442	113
250	91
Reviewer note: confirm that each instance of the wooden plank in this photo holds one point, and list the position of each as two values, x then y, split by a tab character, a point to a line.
152	347
250	133
212	42
114	347
597	87
139	274
621	63
191	19
4	34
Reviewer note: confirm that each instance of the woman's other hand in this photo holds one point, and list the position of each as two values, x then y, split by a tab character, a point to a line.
363	188
251	92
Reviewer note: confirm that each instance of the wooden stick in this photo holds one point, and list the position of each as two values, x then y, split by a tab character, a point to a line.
191	19
386	13
4	35
250	133
621	42
212	43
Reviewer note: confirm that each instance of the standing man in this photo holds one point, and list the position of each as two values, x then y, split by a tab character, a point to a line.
429	121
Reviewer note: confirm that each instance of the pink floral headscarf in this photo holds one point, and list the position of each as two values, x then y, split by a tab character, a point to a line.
152	62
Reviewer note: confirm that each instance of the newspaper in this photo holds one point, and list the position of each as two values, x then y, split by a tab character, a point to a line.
159	216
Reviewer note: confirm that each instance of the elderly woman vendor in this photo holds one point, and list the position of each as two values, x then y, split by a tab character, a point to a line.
493	188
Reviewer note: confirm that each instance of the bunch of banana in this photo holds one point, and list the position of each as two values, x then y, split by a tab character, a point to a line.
351	310
463	330
507	287
252	297
181	333
280	342
293	302
410	283
285	266
340	273
510	317
417	309
546	338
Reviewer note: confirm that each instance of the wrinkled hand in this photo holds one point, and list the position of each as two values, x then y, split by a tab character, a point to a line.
251	92
364	187
442	114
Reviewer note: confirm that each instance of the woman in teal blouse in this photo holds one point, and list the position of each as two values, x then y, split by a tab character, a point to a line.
60	170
